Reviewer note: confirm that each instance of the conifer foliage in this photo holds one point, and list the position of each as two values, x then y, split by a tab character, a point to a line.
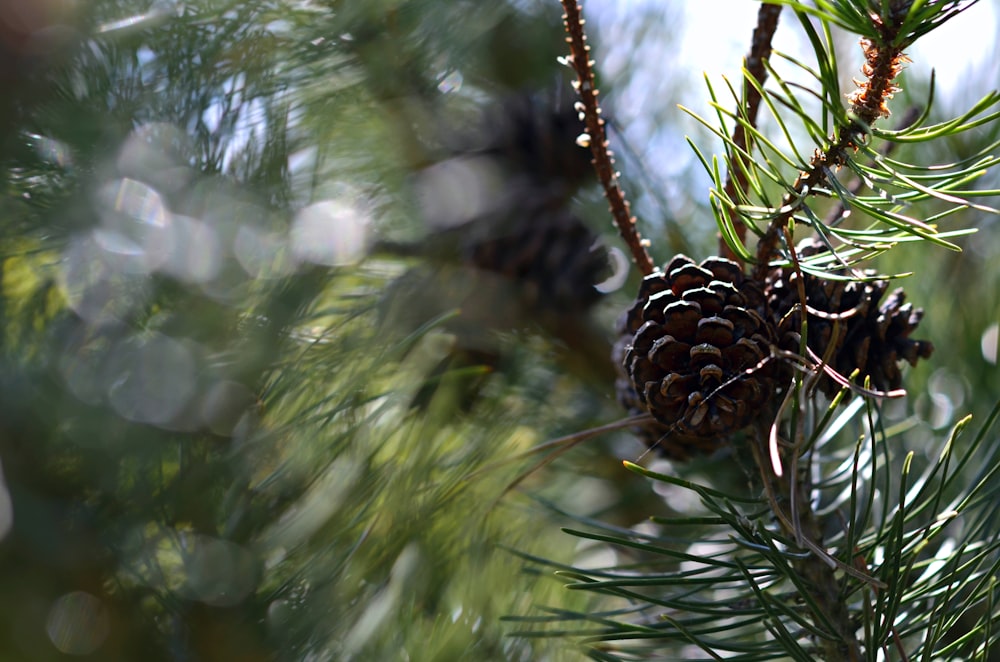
785	360
294	294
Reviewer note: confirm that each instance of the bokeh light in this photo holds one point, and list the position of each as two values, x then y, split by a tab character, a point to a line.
262	254
78	623
195	254
223	406
193	566
218	572
157	153
453	191
95	282
330	232
990	342
150	379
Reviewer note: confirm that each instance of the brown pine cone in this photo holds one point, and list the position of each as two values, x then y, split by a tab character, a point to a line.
693	351
846	325
554	257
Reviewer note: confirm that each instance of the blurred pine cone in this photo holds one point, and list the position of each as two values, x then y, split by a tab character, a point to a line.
537	137
536	258
502	205
505	249
554	256
846	325
691	350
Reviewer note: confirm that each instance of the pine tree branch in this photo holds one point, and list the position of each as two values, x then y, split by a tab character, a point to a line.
818	569
579	59
883	62
736	179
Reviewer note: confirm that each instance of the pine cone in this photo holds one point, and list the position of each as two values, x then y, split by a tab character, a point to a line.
693	344
553	256
504	249
534	268
654	434
846	324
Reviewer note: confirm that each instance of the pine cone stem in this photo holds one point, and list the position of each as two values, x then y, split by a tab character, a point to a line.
579	59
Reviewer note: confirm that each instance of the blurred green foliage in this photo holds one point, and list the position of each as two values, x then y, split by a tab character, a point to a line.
208	444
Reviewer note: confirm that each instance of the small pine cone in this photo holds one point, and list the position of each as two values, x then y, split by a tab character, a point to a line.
693	342
554	258
846	324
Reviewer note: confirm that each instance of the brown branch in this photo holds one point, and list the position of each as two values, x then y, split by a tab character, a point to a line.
883	63
736	178
834	156
858	185
579	59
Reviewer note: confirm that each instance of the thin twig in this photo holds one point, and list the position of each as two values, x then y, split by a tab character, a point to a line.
558	446
579	59
868	104
676	238
858	185
736	178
